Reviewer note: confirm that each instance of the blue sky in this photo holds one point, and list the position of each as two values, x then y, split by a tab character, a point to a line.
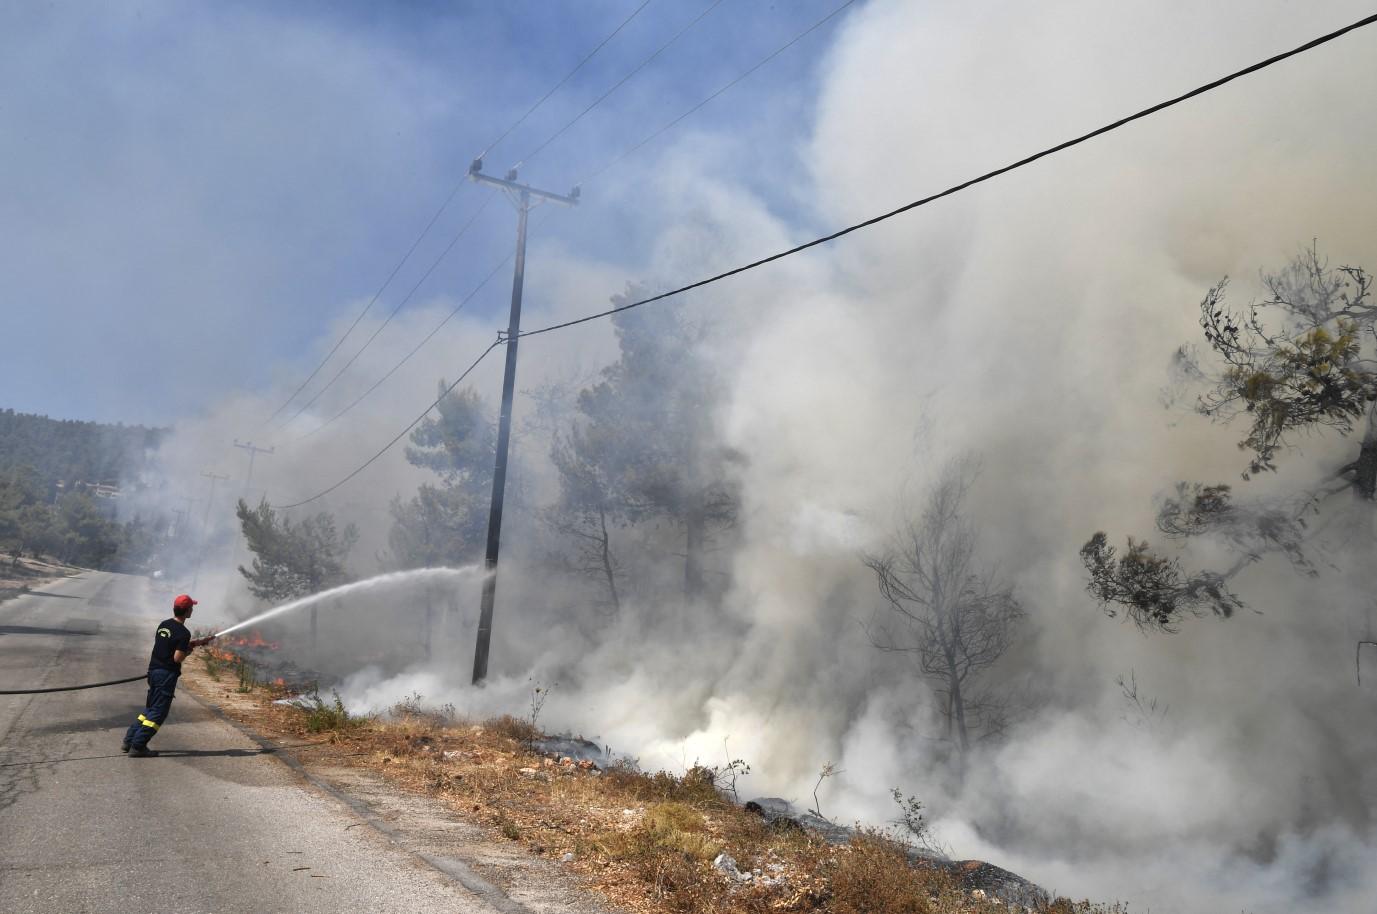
193	194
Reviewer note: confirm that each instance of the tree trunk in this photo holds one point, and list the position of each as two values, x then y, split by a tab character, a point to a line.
1365	470
430	624
606	554
958	706
695	527
452	615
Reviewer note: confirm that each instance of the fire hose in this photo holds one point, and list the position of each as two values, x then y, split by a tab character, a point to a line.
92	685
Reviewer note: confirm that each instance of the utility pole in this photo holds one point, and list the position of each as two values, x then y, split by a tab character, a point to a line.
214	478
179	516
205	522
184	514
253	453
248	480
521	195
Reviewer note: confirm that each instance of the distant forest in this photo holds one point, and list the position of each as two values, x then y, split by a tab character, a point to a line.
74	451
71	523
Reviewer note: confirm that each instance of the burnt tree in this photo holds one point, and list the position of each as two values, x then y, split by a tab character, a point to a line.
946	609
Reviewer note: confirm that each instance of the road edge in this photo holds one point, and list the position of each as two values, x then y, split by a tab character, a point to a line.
451	868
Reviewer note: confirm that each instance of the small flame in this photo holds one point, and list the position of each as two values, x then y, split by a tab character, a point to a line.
252	639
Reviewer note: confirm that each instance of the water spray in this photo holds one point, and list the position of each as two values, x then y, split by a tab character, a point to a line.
453	575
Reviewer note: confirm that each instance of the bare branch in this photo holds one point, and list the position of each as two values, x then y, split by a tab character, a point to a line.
957	619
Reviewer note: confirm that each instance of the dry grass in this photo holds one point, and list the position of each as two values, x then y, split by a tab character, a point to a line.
874	877
646	841
513	728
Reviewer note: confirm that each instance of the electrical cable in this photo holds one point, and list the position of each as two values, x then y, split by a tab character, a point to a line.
517	123
401	304
76	688
435	218
780	50
956	188
414	423
1310	45
579	66
417	348
372	301
674	123
621	82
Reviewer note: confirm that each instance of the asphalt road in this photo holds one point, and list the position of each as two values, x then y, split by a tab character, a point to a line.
212	826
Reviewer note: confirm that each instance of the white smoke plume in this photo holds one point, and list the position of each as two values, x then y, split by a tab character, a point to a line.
1030	321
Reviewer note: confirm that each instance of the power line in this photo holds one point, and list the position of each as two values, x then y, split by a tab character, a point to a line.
443	206
366	308
596	174
406	358
956	188
414	423
557	86
401	304
417	348
667	127
621	82
391	371
674	123
601	171
1310	45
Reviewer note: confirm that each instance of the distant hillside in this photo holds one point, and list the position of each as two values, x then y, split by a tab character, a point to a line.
73	451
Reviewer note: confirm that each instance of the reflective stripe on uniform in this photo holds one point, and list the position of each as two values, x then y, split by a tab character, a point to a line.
147	723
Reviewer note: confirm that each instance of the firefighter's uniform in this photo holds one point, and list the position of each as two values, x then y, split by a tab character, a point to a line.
163	672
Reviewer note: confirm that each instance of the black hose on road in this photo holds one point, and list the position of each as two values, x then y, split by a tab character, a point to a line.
93	685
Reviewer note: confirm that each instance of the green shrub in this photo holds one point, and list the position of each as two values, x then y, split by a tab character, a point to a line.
248	676
323	717
213	665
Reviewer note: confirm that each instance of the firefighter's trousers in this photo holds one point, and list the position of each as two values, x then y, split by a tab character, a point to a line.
162	686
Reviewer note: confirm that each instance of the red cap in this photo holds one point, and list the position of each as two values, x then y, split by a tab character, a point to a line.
183	601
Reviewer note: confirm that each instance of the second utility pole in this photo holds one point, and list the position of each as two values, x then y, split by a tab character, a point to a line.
521	195
254	451
205	526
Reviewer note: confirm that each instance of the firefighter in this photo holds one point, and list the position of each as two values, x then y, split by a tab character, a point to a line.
171	645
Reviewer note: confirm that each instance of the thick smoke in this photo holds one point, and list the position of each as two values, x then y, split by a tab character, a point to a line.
1030	321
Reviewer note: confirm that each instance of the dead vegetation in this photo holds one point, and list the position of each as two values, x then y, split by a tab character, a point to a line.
649	842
